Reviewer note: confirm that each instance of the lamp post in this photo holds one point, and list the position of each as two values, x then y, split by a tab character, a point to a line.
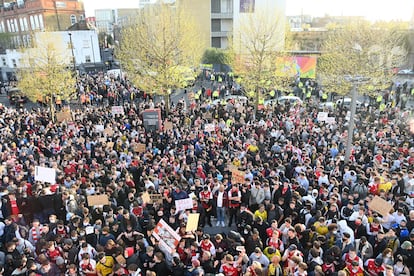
73	54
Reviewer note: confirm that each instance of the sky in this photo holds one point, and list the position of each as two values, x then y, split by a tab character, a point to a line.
371	9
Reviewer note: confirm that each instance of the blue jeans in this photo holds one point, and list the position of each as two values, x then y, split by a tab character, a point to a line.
220	214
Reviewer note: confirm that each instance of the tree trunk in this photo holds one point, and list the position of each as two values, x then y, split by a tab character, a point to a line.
167	103
52	108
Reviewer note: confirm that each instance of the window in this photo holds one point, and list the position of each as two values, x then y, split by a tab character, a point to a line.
21	24
16	26
26	26
32	23
81	17
73	19
3	60
215	6
87	58
216	42
41	25
14	63
215	25
36	21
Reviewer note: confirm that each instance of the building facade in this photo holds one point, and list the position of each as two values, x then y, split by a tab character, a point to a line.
20	18
85	46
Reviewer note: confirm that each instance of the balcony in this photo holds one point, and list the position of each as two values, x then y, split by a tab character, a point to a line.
222	16
220	34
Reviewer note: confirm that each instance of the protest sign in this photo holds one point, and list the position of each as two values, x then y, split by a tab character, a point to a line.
209	127
94	200
108	132
152	119
140	148
237	177
168	125
47	175
322	116
191	96
168	239
330	120
184	204
155	198
380	206
117	110
192	222
99	128
64	115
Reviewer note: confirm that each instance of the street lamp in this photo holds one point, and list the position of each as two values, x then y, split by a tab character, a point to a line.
73	54
355	80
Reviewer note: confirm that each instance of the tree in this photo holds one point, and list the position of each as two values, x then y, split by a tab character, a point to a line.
158	44
256	43
361	49
216	56
45	75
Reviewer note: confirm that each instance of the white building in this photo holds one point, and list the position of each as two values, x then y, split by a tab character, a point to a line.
226	16
85	50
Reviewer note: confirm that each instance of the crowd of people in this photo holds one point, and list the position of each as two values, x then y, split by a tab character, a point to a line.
300	209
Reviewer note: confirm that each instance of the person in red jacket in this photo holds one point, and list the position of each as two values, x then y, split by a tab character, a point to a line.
354	269
374	267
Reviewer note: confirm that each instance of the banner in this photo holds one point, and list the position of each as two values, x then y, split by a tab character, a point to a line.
184	204
168	239
47	175
305	67
152	119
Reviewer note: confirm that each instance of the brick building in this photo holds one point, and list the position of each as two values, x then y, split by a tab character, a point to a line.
20	18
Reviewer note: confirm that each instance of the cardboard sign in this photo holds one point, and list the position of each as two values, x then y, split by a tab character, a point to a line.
155	198
184	204
168	239
168	126
62	116
102	140
209	127
140	148
108	132
47	175
117	110
380	206
208	116
237	177
110	145
322	116
95	200
192	222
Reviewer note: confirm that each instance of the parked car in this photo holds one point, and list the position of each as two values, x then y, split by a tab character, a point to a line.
282	100
16	97
347	103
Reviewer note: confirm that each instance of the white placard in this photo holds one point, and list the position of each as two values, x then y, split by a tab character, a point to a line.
99	128
117	110
184	204
330	120
322	116
209	127
45	174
